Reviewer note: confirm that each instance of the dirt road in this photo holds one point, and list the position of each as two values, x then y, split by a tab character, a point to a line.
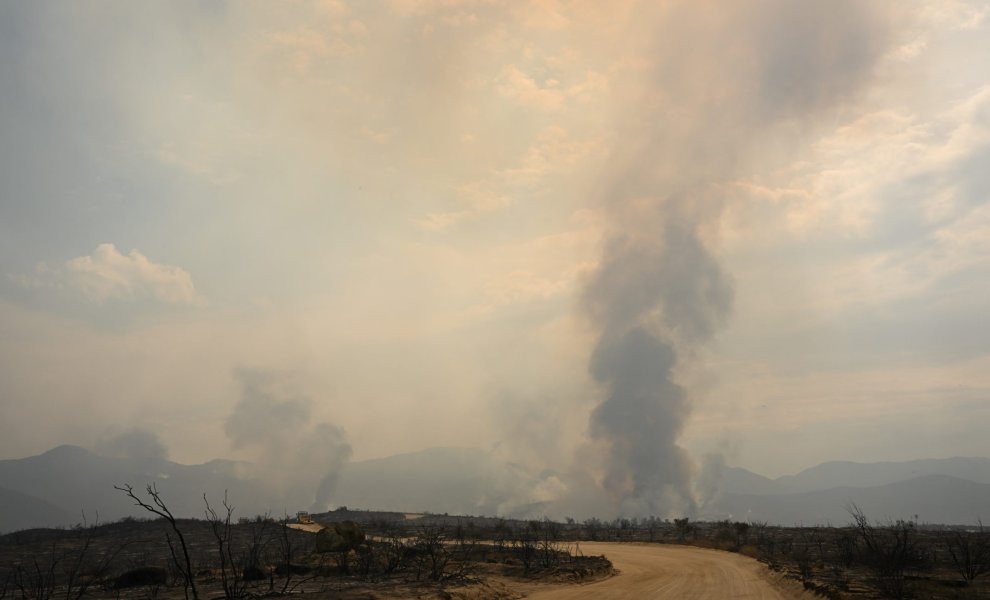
683	572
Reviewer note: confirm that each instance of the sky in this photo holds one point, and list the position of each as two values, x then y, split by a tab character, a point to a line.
403	224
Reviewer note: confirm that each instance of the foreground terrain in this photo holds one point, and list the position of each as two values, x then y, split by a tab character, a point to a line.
649	571
369	555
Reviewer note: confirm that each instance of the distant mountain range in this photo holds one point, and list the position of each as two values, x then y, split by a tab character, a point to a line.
62	485
930	498
851	474
947	490
59	486
56	487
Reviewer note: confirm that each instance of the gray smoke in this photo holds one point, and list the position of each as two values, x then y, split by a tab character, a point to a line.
709	479
727	82
650	294
135	444
301	458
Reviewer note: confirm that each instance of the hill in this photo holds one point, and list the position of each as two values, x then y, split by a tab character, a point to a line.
57	487
932	498
843	473
21	511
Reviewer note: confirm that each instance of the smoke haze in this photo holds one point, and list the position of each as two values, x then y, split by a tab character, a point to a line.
135	444
590	240
659	294
297	456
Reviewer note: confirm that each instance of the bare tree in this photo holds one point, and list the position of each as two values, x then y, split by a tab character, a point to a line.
6	585
286	549
591	527
549	547
68	567
82	570
393	548
36	579
742	533
257	547
157	507
683	527
889	551
970	552
652	525
524	544
766	543
430	545
235	575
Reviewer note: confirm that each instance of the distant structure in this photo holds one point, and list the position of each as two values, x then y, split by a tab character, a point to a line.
303	517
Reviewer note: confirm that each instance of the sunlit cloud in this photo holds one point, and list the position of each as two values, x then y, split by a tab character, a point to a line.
108	275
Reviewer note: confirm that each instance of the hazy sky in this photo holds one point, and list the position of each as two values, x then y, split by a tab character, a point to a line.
398	216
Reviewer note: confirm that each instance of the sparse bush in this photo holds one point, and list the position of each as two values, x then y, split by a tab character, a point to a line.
742	533
158	507
683	527
889	551
970	552
431	552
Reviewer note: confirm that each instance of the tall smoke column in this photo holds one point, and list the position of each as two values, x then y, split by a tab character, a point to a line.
647	294
729	89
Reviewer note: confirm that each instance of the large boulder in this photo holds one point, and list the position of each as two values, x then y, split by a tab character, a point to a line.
141	576
254	573
340	537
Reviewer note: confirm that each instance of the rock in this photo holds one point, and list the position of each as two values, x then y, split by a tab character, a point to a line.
254	573
341	537
141	576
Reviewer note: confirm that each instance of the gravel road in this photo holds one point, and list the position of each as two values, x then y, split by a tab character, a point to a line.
683	572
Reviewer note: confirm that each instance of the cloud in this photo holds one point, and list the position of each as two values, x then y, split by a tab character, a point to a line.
547	94
106	276
478	197
551	153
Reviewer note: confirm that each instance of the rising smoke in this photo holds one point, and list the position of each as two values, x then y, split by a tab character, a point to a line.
299	457
651	295
726	80
135	444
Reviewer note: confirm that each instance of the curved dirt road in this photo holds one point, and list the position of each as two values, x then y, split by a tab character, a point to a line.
666	571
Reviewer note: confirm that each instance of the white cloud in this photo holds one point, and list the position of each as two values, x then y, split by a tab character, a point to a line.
107	275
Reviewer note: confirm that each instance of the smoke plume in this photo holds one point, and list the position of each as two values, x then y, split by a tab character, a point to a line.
650	295
138	445
724	83
303	459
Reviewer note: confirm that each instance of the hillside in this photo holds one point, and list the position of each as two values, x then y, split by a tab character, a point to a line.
21	511
843	473
932	498
69	480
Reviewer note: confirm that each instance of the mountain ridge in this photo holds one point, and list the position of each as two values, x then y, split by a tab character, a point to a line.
57	486
842	473
941	499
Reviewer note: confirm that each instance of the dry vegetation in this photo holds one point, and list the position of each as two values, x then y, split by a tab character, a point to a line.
376	554
866	559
